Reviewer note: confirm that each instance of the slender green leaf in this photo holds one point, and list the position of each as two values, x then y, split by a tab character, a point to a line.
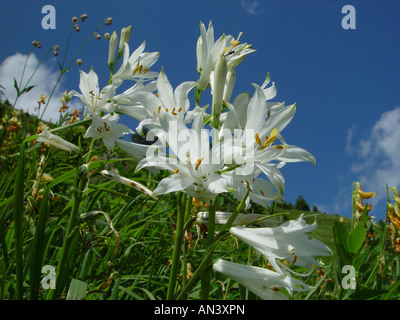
77	290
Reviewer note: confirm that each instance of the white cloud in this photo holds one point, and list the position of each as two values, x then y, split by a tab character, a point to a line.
251	7
44	80
378	154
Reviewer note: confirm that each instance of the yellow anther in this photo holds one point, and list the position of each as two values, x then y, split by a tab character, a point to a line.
198	163
270	140
173	112
226	50
166	109
262	192
279	147
258	139
235	43
159	109
176	171
180	109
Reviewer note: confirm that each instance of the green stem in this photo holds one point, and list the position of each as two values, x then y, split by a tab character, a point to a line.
51	94
33	73
39	241
179	233
207	255
26	62
18	213
80	186
206	276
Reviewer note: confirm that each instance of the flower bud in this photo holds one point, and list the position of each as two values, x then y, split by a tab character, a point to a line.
57	141
217	86
79	62
112	47
229	84
74	19
125	35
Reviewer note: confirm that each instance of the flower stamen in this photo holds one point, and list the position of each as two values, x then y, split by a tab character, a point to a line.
198	163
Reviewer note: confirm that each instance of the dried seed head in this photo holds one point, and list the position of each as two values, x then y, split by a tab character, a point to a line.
108	21
36	44
83	16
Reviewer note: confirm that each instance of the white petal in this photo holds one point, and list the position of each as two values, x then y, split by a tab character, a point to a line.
165	91
173	183
256	110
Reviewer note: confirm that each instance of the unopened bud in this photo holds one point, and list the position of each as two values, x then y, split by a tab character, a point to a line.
218	85
229	84
74	19
79	62
125	35
112	47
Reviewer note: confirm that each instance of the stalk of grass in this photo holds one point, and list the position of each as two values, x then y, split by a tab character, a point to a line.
80	185
18	216
206	275
179	233
39	241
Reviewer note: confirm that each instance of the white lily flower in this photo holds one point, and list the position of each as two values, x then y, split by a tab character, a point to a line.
137	65
262	282
251	120
93	99
127	182
288	241
193	163
241	219
172	105
57	141
107	128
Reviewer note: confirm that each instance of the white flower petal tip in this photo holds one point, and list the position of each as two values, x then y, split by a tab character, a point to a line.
57	141
130	183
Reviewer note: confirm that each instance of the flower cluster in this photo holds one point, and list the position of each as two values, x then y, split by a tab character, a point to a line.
235	147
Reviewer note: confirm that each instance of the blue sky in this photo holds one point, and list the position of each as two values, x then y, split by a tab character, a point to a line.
345	82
